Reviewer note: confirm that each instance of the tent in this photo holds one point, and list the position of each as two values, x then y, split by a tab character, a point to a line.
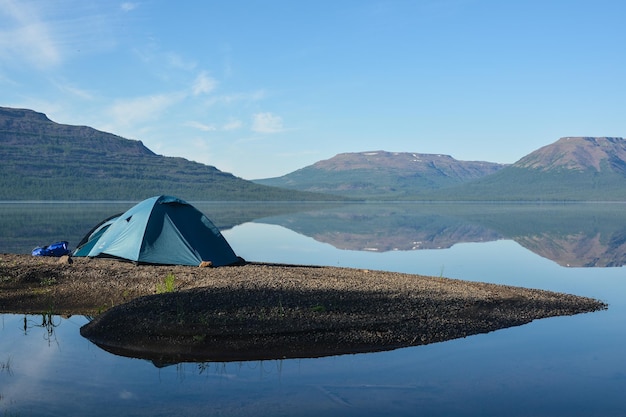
159	230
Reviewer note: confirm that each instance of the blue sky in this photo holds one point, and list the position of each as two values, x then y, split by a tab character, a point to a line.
262	88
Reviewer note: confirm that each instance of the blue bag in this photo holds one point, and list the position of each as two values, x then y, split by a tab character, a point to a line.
55	249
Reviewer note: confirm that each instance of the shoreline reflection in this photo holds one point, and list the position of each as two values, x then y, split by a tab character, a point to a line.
572	235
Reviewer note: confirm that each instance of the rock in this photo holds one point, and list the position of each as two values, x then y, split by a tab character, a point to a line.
65	260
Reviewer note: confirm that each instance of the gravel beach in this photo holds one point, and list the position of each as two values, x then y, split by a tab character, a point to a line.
264	311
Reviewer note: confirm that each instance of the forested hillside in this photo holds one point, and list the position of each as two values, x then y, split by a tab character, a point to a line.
44	160
570	169
383	175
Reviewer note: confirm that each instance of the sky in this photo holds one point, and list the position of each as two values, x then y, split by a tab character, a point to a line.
262	88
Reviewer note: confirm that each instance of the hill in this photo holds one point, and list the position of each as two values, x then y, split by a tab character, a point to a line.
44	160
381	174
570	169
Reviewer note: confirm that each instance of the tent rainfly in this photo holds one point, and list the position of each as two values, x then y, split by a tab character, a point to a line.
159	230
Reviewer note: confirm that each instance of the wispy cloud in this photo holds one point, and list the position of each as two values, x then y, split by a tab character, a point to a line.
128	6
134	112
204	84
236	98
174	60
232	125
137	110
4	79
44	34
267	123
25	36
201	126
74	91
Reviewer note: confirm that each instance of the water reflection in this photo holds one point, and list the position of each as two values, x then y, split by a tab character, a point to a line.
572	235
6	366
569	366
385	227
47	321
25	225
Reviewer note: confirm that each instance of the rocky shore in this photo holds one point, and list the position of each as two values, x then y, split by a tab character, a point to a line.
262	311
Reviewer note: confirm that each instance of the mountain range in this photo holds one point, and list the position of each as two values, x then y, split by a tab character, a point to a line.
44	160
380	174
571	169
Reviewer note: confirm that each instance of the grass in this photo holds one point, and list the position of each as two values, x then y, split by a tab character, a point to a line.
199	338
168	285
318	308
47	282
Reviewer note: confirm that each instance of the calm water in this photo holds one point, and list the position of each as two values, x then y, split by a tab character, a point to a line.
565	366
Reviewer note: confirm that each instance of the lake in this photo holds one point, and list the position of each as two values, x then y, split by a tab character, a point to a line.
563	366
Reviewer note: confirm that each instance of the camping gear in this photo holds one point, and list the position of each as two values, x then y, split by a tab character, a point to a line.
56	249
89	241
159	230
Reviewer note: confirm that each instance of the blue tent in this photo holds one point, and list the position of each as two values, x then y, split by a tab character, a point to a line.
159	230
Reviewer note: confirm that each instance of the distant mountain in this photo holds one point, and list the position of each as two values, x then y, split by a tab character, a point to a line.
572	168
44	160
579	154
381	174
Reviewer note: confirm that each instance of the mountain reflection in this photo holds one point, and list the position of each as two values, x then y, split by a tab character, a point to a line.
572	235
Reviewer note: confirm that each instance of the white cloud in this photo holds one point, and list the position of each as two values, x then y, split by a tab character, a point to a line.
4	79
267	123
201	126
74	91
44	34
232	125
130	112
236	97
174	60
228	126
204	84
26	36
128	6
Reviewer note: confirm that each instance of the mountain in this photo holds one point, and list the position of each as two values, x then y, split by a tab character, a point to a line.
381	174
44	160
578	154
570	169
